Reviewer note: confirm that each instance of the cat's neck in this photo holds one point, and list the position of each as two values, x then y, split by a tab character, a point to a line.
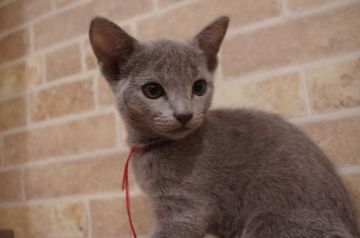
139	138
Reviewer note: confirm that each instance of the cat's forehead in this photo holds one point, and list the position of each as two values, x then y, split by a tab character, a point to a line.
173	49
170	56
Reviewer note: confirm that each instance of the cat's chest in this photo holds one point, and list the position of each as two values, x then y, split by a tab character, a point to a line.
160	171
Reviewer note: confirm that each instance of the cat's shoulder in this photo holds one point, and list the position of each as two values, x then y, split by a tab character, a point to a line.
244	115
249	119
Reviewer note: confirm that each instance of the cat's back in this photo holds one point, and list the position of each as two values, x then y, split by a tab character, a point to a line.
248	128
248	120
269	162
266	146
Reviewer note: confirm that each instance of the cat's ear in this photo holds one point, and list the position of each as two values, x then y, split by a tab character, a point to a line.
210	38
112	46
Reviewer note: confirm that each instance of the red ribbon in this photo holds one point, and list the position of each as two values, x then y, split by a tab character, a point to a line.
125	186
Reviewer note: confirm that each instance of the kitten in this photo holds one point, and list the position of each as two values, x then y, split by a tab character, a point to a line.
231	173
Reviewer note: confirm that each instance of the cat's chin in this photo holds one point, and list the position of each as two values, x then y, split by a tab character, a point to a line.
178	133
182	132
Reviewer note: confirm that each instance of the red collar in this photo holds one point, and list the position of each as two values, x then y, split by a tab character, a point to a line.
125	181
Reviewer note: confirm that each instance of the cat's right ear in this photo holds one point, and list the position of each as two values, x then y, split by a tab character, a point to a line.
112	46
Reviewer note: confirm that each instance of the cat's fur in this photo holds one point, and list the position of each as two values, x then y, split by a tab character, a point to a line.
232	173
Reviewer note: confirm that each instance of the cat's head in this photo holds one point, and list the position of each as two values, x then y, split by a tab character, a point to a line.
162	87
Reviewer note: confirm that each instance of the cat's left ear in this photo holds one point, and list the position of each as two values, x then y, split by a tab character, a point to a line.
210	38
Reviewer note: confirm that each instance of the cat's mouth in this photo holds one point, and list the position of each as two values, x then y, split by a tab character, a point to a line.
184	130
179	132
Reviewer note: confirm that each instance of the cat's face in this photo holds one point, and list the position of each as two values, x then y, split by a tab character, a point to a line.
167	90
162	87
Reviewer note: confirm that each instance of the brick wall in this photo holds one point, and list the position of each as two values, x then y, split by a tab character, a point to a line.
62	142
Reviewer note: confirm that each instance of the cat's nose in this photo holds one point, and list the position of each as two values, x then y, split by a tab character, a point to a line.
183	117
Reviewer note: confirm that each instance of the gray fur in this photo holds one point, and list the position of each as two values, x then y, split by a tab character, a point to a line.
231	173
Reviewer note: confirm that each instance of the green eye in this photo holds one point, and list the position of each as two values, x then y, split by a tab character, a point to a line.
153	90
199	87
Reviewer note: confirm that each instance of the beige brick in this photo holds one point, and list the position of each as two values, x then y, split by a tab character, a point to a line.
83	135
14	45
10	186
12	113
165	3
68	220
90	59
109	217
20	11
352	183
63	62
1	152
280	94
294	42
123	132
18	77
187	20
18	219
106	96
75	22
62	3
338	138
51	220
335	86
62	100
85	176
296	5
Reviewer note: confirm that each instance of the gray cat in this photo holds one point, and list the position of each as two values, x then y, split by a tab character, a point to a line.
231	173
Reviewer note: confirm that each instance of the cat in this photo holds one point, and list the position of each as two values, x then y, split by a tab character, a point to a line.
231	173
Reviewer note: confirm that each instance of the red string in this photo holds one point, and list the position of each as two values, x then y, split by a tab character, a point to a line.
125	186
125	182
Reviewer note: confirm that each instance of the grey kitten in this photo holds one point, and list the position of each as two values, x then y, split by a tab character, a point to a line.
231	173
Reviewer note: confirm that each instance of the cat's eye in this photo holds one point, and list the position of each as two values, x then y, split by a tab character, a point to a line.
199	87
153	90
